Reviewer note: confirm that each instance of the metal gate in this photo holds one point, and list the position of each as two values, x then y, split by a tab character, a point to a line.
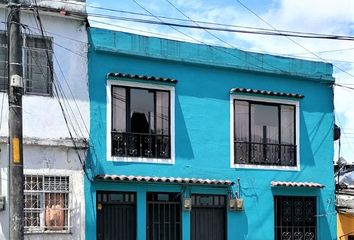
295	218
116	216
163	218
208	217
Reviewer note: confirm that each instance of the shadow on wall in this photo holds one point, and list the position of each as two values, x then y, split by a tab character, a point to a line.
305	145
326	218
241	230
183	143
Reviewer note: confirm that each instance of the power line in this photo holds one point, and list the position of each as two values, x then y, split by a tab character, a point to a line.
195	21
288	37
139	30
325	51
210	33
211	46
37	17
222	29
60	35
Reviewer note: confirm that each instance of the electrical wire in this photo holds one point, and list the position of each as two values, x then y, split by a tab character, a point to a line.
56	90
232	30
290	39
195	21
139	31
211	46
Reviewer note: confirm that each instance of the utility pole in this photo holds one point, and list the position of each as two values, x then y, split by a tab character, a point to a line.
16	178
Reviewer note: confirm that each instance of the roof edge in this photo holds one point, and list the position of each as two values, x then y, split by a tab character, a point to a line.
109	41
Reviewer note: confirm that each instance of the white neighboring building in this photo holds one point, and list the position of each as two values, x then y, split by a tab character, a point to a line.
54	198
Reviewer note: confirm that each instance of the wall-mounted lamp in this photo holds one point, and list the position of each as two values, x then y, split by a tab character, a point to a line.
186	200
235	202
187	204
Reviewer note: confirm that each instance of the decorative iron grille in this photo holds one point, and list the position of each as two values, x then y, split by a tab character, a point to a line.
46	203
295	218
140	145
265	154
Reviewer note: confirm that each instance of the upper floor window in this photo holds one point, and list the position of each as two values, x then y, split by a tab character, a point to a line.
140	122
264	133
37	74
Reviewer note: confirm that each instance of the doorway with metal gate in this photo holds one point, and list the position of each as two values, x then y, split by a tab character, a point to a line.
116	215
163	216
208	217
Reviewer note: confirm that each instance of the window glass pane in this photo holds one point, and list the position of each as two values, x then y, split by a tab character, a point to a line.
162	113
119	109
141	110
287	124
37	72
264	123
38	42
241	121
55	211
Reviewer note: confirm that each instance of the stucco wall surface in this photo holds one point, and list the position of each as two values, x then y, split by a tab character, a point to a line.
43	122
202	130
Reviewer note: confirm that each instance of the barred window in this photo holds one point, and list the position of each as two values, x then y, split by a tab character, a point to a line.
46	203
37	73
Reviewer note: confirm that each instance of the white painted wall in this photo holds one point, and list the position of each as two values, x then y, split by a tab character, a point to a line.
51	161
43	120
42	117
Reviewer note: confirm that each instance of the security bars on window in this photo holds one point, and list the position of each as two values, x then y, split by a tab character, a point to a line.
36	68
46	203
264	133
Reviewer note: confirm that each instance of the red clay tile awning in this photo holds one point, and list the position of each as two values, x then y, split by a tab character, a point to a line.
147	179
296	184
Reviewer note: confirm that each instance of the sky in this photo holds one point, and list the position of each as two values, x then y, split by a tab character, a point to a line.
317	16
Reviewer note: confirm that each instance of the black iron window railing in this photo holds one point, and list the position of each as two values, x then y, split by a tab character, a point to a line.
125	144
265	153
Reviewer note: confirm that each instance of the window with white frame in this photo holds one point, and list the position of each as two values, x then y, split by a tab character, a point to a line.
140	122
46	203
36	65
264	133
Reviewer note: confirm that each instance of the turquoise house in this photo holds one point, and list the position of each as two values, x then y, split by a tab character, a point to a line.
198	142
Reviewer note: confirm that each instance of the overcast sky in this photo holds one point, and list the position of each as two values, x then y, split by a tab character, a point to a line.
319	16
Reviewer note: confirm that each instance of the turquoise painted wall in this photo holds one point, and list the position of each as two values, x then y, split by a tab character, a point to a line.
202	116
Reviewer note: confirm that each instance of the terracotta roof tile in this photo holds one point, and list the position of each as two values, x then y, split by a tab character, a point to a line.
265	92
141	77
124	178
296	184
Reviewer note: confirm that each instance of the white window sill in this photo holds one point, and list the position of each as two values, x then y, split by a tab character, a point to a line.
141	160
262	167
29	232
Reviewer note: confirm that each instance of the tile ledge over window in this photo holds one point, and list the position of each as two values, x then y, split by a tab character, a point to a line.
142	78
265	92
